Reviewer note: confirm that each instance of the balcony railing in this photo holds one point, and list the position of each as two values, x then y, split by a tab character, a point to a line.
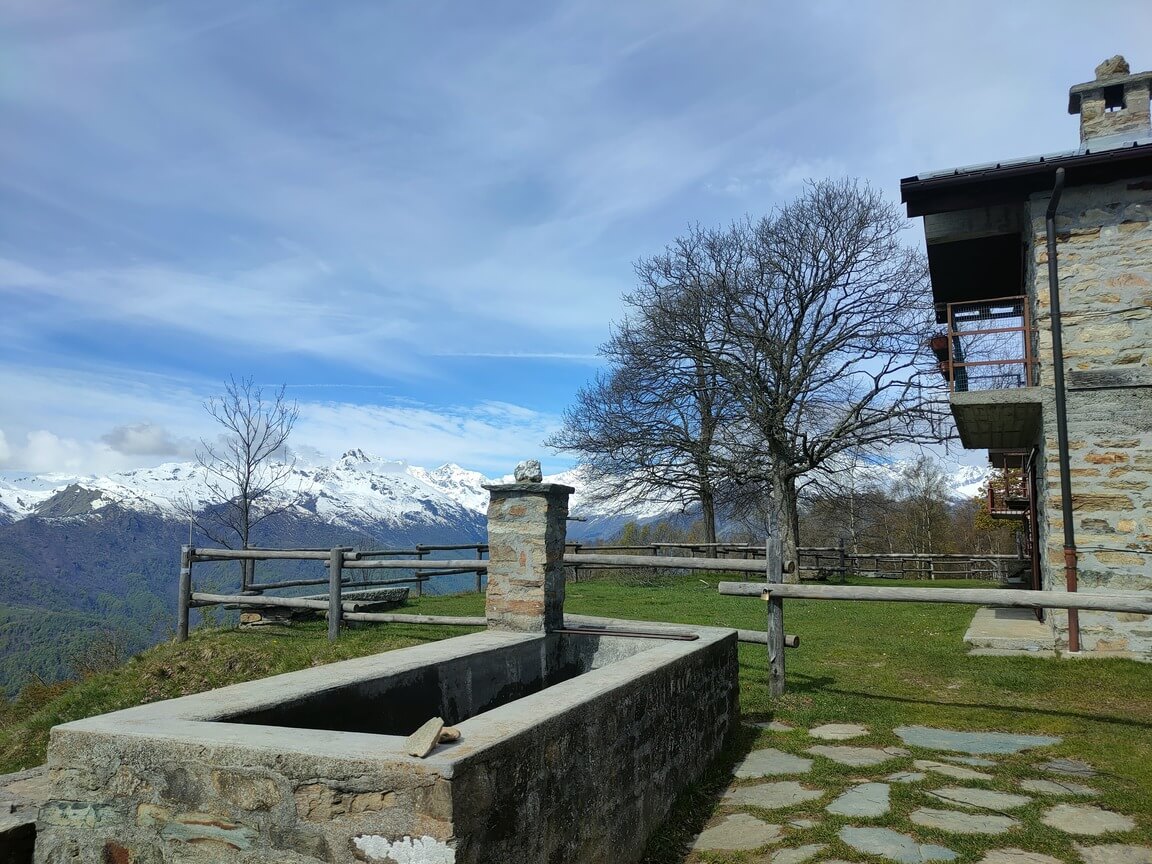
1009	486
988	345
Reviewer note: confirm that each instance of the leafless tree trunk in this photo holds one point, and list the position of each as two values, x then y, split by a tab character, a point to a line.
247	469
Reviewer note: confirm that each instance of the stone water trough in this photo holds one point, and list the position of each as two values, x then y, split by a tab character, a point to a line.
572	748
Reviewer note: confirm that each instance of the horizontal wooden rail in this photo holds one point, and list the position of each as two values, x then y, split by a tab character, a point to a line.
1135	603
268	554
395	618
468	564
297	583
202	599
726	565
760	637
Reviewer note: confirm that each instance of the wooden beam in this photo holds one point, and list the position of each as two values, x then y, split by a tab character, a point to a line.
185	596
774	572
1137	603
722	565
431	564
393	618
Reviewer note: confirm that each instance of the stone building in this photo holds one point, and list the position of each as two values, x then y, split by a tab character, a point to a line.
987	232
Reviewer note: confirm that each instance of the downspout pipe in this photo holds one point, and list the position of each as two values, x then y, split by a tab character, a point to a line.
1070	566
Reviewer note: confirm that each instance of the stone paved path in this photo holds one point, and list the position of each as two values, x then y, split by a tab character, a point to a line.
886	802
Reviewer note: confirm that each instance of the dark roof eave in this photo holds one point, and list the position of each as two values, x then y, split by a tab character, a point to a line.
996	184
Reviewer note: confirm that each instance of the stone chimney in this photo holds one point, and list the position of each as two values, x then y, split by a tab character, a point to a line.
527	522
1114	106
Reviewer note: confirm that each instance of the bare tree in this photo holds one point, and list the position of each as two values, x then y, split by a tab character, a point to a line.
650	427
825	340
247	469
821	315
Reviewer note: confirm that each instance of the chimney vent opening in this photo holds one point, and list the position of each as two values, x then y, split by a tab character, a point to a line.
1114	98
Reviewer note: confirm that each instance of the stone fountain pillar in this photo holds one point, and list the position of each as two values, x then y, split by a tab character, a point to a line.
527	523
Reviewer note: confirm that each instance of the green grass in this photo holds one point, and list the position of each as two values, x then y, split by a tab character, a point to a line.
883	664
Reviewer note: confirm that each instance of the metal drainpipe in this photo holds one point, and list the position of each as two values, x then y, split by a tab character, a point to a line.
1061	412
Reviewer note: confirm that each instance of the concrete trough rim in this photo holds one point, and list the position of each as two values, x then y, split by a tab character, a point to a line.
201	719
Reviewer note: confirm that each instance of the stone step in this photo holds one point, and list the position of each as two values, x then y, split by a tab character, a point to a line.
1009	630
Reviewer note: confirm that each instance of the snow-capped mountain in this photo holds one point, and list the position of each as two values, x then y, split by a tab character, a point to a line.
356	491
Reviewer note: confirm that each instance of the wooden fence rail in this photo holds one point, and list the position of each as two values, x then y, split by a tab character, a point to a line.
337	559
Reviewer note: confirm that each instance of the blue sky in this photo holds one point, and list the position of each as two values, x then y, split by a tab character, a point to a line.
421	216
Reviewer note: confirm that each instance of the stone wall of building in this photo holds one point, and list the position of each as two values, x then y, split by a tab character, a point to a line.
1105	266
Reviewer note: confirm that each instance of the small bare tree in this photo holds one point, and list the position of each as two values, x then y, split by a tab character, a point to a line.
247	469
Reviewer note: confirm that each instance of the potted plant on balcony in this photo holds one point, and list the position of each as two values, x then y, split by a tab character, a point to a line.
939	346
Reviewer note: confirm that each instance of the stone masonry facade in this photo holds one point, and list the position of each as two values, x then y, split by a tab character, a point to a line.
1104	252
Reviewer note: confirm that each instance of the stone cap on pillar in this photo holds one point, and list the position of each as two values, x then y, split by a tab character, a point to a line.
528	487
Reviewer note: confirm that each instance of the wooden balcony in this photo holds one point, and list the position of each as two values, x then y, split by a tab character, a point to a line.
986	357
1009	495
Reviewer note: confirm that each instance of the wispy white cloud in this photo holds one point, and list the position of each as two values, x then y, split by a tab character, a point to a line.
366	190
117	422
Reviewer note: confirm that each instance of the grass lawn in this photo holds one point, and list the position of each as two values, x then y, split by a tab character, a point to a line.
881	664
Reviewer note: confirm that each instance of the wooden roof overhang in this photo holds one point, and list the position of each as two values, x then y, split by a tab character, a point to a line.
972	268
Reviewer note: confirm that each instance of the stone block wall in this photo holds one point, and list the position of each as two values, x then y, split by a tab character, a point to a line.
592	784
1105	265
126	801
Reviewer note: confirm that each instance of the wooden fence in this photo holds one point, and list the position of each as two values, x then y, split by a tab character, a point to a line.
337	560
774	590
823	562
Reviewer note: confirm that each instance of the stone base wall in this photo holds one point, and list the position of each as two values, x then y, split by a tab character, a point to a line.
592	785
582	771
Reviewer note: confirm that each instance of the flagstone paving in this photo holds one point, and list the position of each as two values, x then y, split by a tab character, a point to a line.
1087	821
858	757
971	742
906	777
772	796
1057	787
982	798
737	832
971	813
1115	853
949	770
955	822
838	731
1074	767
1017	856
971	760
772	762
867	799
893	845
798	855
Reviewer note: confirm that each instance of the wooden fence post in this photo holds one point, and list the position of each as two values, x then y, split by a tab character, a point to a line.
185	598
773	555
335	609
419	584
479	573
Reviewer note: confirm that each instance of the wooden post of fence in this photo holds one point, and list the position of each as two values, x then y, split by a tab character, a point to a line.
419	584
185	598
479	573
774	555
335	609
